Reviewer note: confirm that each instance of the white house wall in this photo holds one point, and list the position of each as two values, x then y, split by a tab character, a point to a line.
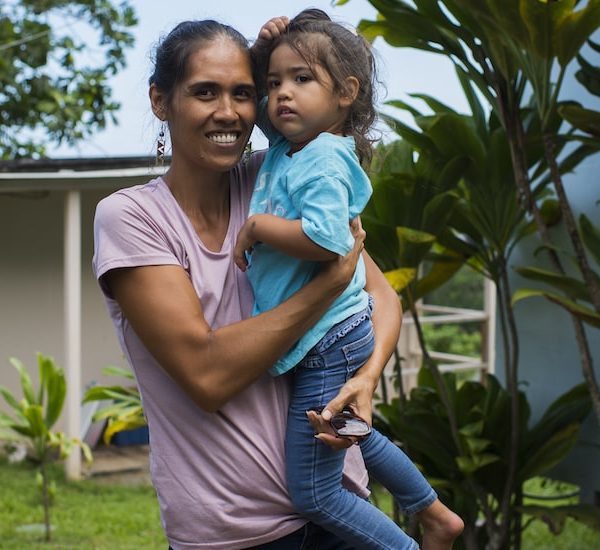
31	288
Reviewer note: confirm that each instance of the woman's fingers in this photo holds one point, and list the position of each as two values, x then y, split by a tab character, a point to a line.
324	432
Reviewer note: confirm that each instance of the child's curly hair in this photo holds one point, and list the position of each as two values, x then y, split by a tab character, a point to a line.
342	53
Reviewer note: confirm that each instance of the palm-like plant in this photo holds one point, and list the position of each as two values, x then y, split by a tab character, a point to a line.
33	418
125	411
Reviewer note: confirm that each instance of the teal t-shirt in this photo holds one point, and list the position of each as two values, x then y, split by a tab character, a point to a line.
323	185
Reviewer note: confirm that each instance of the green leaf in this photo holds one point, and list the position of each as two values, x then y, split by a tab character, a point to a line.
118	371
400	278
33	414
26	386
415	138
573	288
591	236
583	119
551	452
575	29
587	315
56	390
9	398
468	465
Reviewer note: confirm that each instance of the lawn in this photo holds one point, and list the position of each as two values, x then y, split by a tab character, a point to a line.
98	516
575	535
86	514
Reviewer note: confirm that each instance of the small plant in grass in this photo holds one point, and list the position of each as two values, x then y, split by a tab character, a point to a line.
32	420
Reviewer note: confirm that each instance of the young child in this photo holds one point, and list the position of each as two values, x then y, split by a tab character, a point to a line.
320	80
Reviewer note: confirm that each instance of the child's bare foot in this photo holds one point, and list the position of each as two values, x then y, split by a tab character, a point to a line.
441	527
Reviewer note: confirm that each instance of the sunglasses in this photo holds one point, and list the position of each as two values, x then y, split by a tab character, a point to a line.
347	424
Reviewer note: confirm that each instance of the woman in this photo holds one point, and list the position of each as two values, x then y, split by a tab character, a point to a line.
164	259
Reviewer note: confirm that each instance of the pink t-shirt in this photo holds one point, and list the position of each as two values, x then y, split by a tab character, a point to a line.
219	477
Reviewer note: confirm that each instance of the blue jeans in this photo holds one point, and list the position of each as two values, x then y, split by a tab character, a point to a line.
314	470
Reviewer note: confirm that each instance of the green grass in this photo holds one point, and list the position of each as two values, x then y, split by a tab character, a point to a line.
537	536
86	514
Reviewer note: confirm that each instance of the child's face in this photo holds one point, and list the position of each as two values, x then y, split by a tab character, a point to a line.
302	101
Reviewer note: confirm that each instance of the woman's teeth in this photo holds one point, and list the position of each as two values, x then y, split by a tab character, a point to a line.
223	138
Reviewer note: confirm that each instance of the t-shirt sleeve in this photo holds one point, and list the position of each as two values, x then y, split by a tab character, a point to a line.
125	235
323	206
327	192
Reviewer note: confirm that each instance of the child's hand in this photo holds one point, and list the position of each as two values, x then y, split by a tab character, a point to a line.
273	28
245	242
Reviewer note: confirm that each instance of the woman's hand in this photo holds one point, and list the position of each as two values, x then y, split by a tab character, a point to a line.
341	270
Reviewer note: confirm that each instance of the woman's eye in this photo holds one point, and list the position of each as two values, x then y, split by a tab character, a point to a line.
204	93
244	94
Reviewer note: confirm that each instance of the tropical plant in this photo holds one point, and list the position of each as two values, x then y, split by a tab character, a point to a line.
51	88
125	411
469	473
515	53
33	418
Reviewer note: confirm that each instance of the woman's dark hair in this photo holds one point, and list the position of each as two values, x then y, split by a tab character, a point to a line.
172	52
342	53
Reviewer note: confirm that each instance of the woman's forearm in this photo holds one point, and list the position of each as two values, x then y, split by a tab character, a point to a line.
214	365
387	320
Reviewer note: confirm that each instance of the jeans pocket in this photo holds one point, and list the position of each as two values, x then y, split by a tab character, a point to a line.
358	351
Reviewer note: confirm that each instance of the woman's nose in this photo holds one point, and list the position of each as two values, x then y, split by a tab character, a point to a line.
226	109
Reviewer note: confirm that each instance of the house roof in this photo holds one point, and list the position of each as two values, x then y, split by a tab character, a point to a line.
24	175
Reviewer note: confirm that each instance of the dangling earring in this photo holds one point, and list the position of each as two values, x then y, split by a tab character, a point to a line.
247	152
160	146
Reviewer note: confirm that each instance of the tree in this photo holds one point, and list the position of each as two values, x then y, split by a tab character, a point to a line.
56	57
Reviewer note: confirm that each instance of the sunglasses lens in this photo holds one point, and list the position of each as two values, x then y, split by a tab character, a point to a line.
346	425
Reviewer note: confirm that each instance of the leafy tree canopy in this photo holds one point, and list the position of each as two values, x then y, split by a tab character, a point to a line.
56	57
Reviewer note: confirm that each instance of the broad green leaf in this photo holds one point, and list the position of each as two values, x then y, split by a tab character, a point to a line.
415	138
587	315
9	397
434	104
26	386
57	390
399	104
588	75
469	465
573	288
583	119
400	278
542	20
550	453
575	29
34	416
45	369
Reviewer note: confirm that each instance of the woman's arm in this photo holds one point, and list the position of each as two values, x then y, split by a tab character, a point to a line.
214	365
358	391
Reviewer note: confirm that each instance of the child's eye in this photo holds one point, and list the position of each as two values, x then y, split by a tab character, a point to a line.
303	78
271	84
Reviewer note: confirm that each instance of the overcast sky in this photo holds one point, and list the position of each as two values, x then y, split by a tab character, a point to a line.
402	71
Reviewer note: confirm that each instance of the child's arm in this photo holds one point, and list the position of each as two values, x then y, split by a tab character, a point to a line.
284	235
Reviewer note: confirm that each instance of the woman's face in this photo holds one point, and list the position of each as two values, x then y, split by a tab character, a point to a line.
213	109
